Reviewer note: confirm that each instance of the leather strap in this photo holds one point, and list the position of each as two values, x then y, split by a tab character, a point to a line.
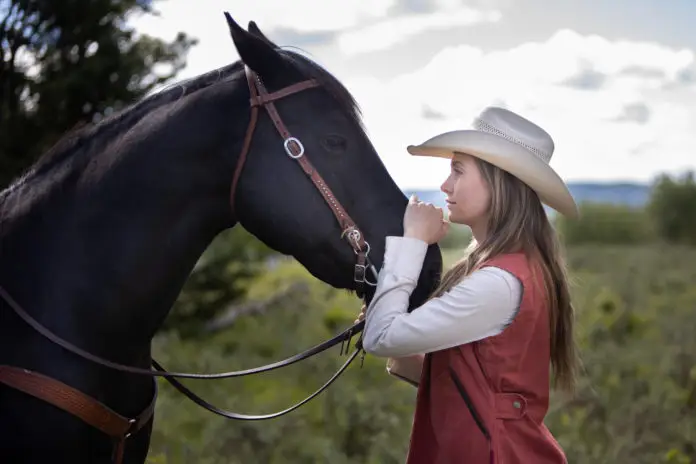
78	404
245	147
297	152
256	100
259	96
321	347
263	99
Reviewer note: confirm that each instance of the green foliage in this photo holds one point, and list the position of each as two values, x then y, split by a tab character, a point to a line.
636	401
78	59
355	420
637	398
221	276
606	224
458	237
673	207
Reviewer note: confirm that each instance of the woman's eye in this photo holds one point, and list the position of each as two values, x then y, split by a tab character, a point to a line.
335	143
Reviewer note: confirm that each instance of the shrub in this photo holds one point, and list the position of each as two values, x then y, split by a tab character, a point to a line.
602	223
636	400
673	208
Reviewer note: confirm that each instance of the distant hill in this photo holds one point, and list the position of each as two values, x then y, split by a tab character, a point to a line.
629	194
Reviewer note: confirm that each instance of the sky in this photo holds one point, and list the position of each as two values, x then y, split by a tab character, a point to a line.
614	83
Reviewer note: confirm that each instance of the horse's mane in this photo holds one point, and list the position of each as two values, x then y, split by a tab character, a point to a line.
87	139
93	137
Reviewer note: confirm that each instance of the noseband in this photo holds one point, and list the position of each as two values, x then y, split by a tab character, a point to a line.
120	428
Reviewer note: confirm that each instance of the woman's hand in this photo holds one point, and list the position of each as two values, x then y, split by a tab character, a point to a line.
424	221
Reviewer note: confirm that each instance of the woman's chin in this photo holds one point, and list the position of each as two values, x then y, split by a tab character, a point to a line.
455	218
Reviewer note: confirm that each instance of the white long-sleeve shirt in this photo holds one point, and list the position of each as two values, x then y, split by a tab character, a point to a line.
480	306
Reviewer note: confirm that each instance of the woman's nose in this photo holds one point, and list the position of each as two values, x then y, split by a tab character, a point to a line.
445	187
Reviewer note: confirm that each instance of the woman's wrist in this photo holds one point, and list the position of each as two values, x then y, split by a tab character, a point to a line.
408	233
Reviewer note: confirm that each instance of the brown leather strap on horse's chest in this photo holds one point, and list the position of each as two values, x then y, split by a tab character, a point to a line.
77	403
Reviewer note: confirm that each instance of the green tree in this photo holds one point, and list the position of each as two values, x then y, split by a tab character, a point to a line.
69	62
673	207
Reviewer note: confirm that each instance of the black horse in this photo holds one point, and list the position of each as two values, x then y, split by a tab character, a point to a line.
99	236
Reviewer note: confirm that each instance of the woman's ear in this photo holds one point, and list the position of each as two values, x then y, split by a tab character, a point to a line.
256	52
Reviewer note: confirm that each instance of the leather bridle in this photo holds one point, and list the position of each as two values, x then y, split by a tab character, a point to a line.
259	96
121	428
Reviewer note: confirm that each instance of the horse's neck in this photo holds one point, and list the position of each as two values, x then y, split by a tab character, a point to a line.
101	258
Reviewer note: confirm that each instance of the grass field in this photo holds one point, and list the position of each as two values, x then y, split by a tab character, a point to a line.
636	312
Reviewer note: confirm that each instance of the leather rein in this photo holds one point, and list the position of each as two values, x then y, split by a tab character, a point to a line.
120	428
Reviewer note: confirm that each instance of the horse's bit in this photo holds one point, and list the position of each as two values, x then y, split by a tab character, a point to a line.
120	428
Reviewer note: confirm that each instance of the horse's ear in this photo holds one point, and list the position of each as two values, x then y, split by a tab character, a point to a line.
254	29
255	52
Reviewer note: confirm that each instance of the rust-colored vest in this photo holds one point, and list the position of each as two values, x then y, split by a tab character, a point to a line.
484	402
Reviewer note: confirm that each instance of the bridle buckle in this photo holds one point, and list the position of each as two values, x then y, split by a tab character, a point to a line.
360	273
296	141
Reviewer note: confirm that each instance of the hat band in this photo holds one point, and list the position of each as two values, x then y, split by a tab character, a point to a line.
483	126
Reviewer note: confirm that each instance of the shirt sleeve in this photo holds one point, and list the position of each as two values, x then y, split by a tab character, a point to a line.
480	306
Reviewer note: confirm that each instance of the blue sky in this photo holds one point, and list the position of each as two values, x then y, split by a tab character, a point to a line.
613	82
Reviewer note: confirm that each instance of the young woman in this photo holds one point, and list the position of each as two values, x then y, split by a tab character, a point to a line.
481	349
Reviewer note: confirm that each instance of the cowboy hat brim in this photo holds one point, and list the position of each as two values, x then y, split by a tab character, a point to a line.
506	155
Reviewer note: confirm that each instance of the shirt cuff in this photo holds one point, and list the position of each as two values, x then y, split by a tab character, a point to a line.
403	256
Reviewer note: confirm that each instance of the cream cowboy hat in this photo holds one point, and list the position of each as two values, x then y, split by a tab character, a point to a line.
510	142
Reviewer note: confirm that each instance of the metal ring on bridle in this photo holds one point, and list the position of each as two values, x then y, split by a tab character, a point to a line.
374	272
355	235
367	252
286	144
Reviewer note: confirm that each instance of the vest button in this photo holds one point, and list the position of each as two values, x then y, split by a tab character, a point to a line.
516	404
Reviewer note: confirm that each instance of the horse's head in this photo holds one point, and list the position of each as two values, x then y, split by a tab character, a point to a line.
276	200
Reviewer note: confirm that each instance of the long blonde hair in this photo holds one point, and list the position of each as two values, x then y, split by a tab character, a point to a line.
518	223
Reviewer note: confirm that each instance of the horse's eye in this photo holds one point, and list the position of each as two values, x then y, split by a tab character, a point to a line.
335	143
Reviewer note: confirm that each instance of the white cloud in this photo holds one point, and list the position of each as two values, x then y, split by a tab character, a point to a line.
360	26
611	80
387	33
298	15
207	23
309	15
591	142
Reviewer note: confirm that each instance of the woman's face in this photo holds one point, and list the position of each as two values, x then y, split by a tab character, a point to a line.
468	195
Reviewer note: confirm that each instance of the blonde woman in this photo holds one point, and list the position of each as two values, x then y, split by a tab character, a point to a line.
483	349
